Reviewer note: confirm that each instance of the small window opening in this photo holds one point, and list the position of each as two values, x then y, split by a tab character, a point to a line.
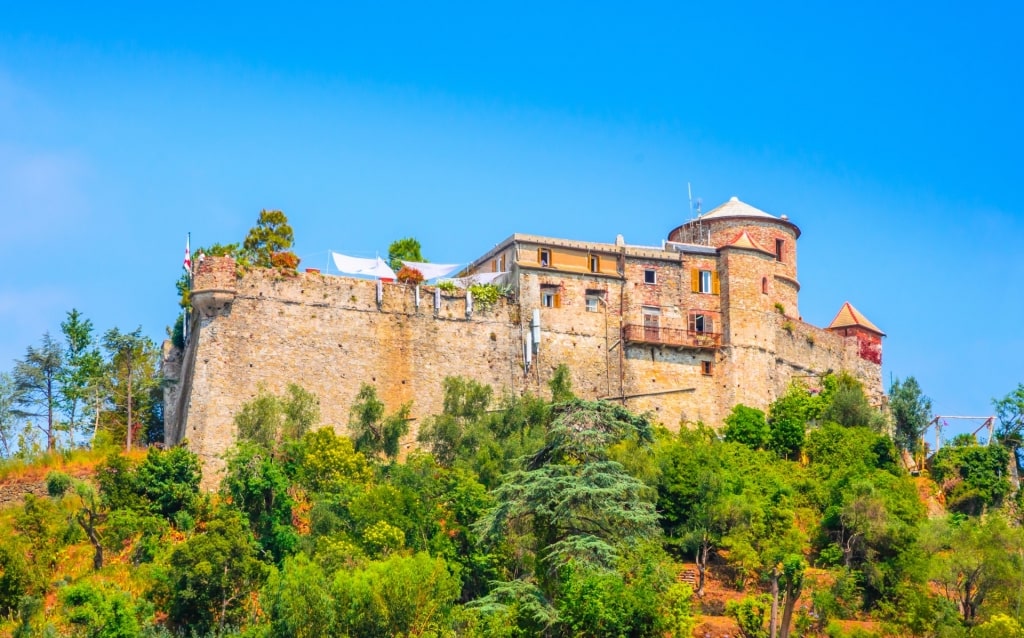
650	276
501	264
707	368
595	263
779	245
705	281
592	303
550	298
764	285
545	258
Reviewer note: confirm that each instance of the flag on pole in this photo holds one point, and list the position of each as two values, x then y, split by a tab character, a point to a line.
188	256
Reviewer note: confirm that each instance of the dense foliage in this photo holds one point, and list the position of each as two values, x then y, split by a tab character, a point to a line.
519	516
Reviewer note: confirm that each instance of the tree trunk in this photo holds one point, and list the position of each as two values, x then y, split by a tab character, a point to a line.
51	436
86	520
775	602
702	567
792	595
129	447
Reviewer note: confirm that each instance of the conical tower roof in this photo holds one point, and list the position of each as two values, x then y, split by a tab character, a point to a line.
849	316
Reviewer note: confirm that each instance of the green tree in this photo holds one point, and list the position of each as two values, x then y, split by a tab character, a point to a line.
464	404
974	477
402	250
91	515
748	426
847	405
399	596
99	613
209	579
270	235
269	420
37	386
372	432
83	364
1010	412
578	505
9	413
787	420
15	579
693	489
299	601
911	411
561	384
975	560
133	360
260	488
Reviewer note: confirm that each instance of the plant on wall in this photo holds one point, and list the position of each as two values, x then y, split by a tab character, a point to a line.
408	275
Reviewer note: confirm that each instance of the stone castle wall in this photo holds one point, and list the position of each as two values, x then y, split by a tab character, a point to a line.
332	334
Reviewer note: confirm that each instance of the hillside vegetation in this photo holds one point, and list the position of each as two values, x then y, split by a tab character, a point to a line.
526	517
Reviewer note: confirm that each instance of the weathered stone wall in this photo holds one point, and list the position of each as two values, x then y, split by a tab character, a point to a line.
332	334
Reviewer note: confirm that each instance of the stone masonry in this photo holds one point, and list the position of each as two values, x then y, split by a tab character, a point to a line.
684	331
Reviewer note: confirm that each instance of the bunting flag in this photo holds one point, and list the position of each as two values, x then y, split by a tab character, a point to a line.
188	256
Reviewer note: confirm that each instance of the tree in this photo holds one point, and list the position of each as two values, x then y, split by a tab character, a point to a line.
748	426
1010	411
465	402
403	250
269	420
975	559
260	488
693	487
270	235
92	511
9	413
82	365
133	362
210	578
787	420
579	506
911	411
372	432
100	613
847	405
37	384
974	477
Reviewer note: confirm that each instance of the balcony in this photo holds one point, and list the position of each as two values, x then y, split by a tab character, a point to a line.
672	337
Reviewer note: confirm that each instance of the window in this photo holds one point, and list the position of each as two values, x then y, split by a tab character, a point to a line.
592	303
707	368
779	245
650	276
652	321
764	285
701	322
704	281
544	258
550	298
595	263
501	264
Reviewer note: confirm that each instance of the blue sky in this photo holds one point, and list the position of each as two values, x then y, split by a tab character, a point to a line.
890	135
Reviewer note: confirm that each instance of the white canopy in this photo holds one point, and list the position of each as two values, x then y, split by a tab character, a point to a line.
479	278
431	271
359	266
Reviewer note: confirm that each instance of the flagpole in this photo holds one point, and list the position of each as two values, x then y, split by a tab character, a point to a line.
188	271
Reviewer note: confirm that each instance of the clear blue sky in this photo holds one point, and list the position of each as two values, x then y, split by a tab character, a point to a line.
891	136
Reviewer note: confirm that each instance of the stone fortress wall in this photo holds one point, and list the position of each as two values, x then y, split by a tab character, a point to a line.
331	334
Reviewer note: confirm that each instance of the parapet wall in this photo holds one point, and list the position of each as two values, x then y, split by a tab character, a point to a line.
332	334
329	335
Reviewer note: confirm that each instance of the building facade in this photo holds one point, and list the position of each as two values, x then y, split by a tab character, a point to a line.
685	330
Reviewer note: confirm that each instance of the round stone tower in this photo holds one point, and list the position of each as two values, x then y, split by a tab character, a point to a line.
736	227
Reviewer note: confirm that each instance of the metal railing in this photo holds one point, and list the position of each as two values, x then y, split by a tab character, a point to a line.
637	333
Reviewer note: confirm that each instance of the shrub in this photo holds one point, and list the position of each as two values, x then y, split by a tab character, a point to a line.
284	260
408	275
448	287
485	295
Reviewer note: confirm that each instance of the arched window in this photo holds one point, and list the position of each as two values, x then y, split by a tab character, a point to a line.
764	285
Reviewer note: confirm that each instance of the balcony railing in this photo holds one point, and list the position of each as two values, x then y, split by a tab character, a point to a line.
675	337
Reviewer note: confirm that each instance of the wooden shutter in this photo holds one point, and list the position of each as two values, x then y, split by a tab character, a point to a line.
558	300
695	280
715	286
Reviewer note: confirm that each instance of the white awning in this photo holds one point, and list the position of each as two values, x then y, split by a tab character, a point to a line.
479	278
360	266
431	271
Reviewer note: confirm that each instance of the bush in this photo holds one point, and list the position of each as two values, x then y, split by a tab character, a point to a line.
408	275
286	260
747	426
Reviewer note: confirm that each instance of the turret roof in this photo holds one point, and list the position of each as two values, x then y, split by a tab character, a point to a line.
849	316
743	240
735	208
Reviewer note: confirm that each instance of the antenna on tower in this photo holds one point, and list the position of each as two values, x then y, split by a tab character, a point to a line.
689	195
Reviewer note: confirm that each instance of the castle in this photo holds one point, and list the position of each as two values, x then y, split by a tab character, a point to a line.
685	330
